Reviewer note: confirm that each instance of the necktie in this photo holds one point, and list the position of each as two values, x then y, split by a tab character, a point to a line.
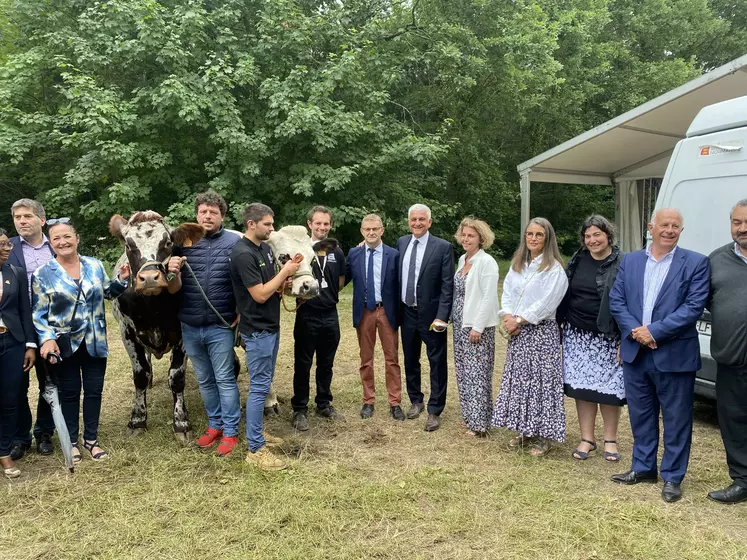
410	289
370	287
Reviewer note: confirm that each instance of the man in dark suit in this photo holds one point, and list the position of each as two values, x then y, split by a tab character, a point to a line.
374	270
658	297
31	250
426	286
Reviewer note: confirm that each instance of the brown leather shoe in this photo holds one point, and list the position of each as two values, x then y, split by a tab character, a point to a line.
433	423
415	409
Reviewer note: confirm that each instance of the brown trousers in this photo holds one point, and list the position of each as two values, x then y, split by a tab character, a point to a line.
367	327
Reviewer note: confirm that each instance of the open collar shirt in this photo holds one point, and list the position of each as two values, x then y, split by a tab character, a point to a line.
653	280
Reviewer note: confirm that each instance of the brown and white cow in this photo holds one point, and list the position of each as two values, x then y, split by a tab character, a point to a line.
147	312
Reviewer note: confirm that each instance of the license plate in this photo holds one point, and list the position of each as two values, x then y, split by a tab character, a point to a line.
704	327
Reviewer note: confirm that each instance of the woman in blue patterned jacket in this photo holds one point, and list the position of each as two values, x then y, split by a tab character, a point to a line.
57	286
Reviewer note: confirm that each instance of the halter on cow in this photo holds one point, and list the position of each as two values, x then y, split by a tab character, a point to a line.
287	242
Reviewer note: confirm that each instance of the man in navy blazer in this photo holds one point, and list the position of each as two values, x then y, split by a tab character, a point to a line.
31	250
426	286
657	298
374	269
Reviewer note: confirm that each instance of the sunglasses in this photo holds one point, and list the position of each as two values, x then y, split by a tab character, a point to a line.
56	221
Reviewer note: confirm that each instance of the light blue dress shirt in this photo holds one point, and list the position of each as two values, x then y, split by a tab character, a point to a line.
739	253
378	260
653	280
422	242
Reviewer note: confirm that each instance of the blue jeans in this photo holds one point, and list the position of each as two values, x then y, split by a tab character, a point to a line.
211	350
261	355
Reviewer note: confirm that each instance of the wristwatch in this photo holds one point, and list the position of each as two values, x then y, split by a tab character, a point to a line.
519	320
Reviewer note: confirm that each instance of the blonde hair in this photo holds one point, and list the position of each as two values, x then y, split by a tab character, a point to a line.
550	254
372	218
483	230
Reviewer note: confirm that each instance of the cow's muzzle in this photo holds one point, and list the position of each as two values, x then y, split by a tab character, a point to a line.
151	279
305	287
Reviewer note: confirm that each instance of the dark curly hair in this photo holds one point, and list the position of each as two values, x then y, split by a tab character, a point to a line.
211	198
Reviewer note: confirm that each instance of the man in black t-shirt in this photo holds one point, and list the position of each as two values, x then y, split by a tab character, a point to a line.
256	286
317	328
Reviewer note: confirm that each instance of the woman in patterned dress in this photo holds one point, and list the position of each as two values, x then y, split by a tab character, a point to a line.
530	400
592	371
474	315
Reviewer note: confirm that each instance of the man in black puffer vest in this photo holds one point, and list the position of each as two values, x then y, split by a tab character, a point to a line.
207	340
728	306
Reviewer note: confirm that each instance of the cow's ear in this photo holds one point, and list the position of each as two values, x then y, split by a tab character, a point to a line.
327	245
187	235
116	223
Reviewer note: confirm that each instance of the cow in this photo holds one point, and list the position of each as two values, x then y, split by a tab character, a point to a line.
285	244
147	312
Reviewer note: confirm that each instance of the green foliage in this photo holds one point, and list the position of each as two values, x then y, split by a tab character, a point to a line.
366	106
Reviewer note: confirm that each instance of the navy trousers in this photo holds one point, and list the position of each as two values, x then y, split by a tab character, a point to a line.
413	337
11	382
650	392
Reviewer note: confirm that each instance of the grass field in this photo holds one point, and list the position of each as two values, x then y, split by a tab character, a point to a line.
358	489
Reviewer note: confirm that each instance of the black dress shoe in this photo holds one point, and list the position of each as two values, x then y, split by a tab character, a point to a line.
632	477
44	445
19	450
730	495
300	420
433	423
415	409
397	413
367	411
671	492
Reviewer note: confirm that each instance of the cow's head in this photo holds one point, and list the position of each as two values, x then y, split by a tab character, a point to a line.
148	245
288	241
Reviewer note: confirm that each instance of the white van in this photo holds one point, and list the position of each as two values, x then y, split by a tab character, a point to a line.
706	176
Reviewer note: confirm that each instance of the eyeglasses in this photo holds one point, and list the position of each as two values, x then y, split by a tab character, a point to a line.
55	221
6	245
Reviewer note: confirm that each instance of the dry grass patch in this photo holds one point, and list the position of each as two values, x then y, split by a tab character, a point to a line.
358	489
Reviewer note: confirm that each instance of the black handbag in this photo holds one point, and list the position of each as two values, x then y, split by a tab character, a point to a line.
64	341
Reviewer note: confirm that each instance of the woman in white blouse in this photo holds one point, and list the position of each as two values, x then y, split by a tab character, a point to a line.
474	315
530	400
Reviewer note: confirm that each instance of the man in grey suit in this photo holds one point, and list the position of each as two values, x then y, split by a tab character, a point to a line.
426	282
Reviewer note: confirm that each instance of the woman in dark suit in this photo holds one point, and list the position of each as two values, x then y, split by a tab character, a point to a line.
17	348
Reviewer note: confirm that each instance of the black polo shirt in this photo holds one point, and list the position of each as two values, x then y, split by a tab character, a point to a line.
333	265
251	265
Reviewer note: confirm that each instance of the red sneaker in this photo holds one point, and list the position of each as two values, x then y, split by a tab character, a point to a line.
209	438
226	445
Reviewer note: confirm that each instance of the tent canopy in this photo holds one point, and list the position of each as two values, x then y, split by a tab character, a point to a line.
637	144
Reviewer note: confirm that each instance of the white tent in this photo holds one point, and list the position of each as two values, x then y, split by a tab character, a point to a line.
635	145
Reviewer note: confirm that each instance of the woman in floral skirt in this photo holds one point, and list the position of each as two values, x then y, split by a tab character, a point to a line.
591	368
530	400
475	315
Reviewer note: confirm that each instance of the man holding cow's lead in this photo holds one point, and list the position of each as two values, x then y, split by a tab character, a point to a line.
256	286
317	327
206	312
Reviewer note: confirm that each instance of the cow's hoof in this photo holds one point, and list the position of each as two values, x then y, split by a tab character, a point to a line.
183	437
273	410
134	432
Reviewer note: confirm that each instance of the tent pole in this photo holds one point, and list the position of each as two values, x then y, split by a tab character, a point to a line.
525	204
